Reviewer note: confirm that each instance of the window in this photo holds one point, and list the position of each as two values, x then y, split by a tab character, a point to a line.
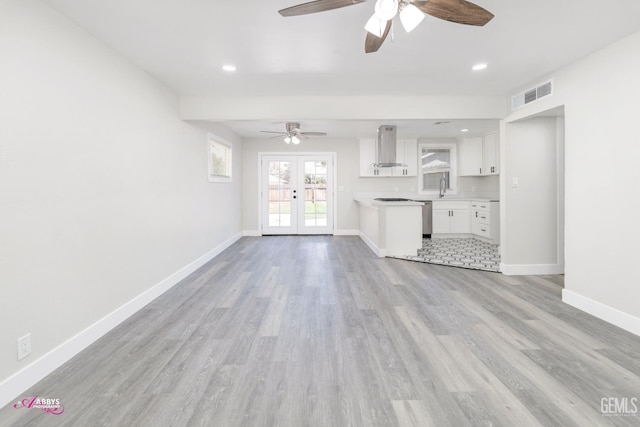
219	160
437	161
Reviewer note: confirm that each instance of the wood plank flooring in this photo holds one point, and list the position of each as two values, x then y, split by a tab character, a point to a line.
317	331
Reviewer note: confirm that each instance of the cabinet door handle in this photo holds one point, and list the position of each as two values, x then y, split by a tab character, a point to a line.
480	170
476	214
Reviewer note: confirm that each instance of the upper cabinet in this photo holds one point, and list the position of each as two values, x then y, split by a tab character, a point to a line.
471	156
480	156
406	154
491	154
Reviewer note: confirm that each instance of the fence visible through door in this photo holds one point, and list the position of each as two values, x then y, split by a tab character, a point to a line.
297	194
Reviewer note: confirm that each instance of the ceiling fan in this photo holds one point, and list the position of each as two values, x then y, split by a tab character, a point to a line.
293	134
410	12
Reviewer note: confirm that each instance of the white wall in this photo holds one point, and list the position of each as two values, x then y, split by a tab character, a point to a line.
602	148
342	107
530	211
348	171
103	189
348	181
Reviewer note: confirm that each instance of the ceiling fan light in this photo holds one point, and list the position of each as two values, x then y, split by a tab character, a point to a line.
375	26
386	9
295	140
410	17
287	139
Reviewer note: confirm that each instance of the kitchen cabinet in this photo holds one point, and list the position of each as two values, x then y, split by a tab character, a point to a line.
491	154
451	217
368	159
406	153
391	228
471	157
480	156
485	221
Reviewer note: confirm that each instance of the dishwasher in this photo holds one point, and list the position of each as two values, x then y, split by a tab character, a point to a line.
427	217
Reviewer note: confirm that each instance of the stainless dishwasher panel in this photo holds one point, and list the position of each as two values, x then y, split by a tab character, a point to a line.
427	217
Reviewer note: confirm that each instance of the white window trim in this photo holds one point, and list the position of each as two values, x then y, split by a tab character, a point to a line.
453	172
211	141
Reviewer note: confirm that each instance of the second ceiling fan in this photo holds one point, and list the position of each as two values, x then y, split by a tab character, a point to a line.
411	14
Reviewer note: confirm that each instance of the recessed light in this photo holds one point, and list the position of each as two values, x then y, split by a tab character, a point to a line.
464	130
479	67
229	67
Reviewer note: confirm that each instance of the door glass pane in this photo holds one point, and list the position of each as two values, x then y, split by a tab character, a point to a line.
315	193
279	194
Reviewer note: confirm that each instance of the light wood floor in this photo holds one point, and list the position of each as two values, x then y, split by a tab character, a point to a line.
316	331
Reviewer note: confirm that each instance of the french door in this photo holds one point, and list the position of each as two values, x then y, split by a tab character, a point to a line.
297	194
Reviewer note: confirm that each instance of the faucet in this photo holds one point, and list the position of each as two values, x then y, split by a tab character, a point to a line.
443	187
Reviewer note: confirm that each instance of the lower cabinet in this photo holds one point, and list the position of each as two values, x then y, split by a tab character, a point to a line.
485	220
451	217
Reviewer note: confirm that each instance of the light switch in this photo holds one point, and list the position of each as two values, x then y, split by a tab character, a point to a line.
515	182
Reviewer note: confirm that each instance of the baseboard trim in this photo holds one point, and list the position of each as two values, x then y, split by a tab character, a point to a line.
530	269
251	233
379	252
346	232
602	311
22	380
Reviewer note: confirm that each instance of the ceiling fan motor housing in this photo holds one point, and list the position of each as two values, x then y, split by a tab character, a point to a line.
293	127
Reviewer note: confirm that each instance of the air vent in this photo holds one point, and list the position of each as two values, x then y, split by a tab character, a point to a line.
531	95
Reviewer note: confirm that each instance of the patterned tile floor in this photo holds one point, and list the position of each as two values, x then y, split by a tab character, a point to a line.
465	253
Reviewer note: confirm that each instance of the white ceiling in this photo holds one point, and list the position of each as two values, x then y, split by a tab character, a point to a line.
184	43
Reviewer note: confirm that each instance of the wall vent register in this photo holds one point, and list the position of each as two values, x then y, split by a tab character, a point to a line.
531	95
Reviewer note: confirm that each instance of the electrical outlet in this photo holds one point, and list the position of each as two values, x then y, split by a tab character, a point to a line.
24	346
515	182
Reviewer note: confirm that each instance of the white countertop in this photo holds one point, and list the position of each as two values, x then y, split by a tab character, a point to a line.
458	198
371	202
367	197
417	201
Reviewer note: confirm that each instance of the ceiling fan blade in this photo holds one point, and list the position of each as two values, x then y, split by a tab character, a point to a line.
313	133
458	11
317	6
373	42
268	131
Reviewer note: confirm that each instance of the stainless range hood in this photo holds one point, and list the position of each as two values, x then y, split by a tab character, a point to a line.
386	147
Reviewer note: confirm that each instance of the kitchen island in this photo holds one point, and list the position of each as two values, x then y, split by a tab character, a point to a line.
391	227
